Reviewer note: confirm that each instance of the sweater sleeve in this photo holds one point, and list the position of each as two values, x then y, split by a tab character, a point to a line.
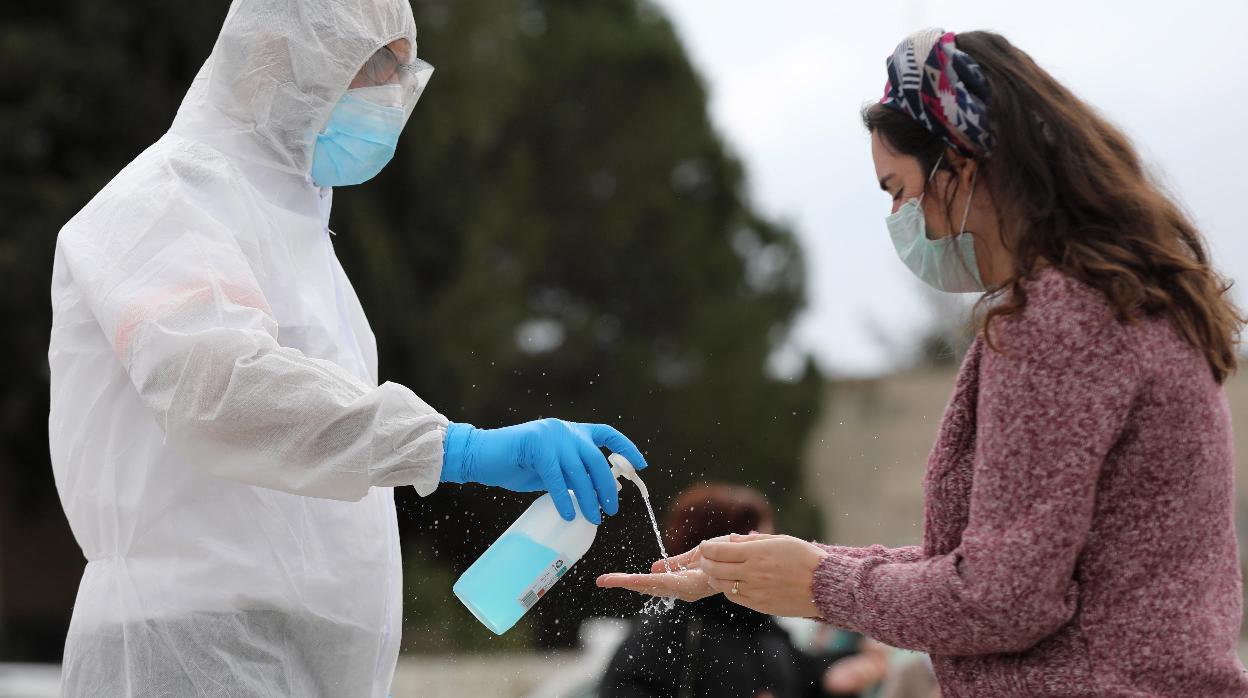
1049	410
908	553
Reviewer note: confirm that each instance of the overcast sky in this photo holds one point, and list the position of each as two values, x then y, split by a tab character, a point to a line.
787	79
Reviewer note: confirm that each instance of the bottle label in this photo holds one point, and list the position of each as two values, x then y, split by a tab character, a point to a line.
544	582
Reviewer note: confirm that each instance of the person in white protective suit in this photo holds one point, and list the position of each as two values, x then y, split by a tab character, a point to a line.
221	445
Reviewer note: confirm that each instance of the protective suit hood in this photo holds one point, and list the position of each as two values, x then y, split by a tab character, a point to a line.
277	70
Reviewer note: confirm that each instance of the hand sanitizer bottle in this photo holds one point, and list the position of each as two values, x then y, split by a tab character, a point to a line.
536	551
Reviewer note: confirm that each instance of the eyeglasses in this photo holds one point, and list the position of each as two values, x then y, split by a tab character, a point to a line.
385	68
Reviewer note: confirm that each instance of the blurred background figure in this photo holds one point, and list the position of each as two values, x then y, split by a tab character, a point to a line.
856	665
910	676
713	647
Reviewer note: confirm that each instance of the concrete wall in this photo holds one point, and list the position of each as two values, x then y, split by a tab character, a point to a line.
864	462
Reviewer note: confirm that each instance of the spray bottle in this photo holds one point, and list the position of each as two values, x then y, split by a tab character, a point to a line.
519	568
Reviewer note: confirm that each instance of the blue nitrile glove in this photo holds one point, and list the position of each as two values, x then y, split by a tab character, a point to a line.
548	454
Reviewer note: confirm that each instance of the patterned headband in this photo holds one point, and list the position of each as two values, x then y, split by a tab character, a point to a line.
942	88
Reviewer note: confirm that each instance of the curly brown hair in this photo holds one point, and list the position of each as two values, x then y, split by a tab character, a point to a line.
1073	194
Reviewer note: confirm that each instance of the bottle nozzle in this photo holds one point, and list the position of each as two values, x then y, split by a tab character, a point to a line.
620	466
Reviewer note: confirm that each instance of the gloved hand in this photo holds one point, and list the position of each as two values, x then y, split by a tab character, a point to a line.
547	454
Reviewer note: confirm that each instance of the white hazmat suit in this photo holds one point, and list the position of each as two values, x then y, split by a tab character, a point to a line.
220	443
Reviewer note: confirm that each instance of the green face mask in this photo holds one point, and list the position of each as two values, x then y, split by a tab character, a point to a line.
948	263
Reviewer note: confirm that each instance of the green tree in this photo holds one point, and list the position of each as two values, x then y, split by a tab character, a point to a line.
85	85
562	233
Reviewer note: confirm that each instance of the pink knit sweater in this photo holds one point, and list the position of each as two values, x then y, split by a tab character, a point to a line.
1079	536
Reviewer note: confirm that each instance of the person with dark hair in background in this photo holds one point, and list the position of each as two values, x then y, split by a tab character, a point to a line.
713	647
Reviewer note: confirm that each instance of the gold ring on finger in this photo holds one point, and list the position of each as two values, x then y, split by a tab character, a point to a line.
736	587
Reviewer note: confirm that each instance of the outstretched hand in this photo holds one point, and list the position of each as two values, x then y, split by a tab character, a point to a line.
686	585
685	580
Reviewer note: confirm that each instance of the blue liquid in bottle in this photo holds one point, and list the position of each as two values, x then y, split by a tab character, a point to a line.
503	583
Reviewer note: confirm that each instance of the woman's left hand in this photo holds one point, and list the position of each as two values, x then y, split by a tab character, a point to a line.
771	574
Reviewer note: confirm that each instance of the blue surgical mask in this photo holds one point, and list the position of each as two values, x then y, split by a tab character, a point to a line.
947	263
360	137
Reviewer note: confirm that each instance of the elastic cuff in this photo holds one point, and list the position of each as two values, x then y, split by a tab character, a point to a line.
833	589
416	462
455	452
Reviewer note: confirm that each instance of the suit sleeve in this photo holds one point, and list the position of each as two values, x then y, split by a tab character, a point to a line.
189	324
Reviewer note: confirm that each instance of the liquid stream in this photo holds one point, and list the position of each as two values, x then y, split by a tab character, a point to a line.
658	605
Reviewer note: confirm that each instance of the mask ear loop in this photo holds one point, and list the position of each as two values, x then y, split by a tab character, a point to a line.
930	175
962	228
967	211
